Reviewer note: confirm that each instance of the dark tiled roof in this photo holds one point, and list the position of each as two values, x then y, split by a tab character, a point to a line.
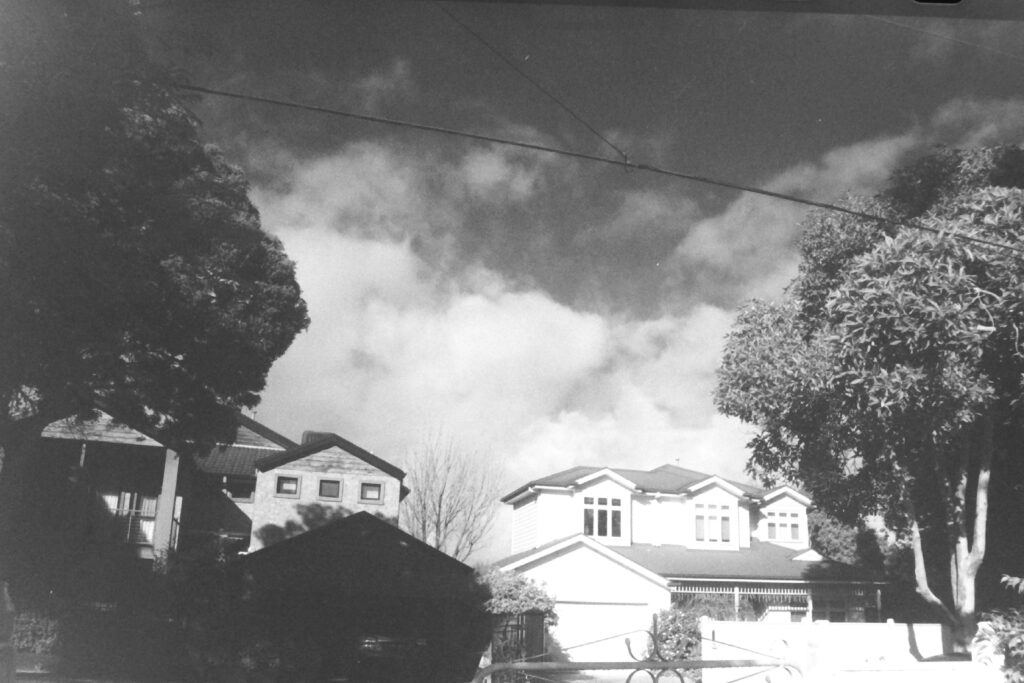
764	561
236	461
664	479
290	455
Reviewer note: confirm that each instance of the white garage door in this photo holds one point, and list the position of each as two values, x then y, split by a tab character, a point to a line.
597	632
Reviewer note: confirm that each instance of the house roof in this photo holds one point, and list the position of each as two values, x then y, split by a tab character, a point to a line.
760	562
284	457
232	461
359	555
670	479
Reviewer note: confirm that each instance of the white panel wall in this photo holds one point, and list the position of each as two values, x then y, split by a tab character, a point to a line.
598	598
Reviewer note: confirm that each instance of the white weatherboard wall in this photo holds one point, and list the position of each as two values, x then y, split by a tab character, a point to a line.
597	598
556	518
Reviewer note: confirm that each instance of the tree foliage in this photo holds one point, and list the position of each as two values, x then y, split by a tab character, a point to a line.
453	498
513	593
888	380
134	274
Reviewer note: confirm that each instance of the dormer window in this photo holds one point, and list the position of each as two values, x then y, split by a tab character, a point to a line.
602	517
713	523
783	526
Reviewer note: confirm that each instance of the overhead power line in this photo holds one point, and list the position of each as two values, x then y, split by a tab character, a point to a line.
623	163
532	81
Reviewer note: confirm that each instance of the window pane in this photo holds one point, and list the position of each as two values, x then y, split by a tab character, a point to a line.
588	522
794	530
588	501
602	501
602	522
616	502
370	492
616	524
725	528
771	531
330	489
700	527
288	485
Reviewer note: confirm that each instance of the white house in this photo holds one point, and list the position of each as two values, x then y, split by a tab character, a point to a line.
615	546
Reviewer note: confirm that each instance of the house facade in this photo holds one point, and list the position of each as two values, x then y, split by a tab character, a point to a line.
141	498
615	546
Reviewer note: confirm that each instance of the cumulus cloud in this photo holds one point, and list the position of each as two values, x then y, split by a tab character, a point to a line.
413	335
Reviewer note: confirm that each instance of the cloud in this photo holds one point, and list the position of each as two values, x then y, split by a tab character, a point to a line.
383	84
415	334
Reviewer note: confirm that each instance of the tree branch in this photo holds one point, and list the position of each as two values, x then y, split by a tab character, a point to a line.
920	571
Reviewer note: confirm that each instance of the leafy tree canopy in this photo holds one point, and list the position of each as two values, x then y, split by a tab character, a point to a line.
133	269
888	379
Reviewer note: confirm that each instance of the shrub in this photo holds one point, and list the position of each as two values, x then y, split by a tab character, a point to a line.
35	633
1002	633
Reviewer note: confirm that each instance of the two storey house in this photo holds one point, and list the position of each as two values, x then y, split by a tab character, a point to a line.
127	494
615	546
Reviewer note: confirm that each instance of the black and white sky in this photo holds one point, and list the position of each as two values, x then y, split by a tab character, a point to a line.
539	310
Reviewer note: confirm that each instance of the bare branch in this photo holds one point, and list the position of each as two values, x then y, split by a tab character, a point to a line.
454	497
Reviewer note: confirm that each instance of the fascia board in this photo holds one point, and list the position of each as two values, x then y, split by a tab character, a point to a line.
596	547
715	480
786	491
611	474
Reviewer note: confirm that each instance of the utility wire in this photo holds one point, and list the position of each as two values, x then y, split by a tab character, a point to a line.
953	39
533	82
624	163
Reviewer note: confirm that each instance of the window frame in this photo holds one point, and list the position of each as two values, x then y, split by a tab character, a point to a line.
320	489
379	500
285	494
712	524
603	519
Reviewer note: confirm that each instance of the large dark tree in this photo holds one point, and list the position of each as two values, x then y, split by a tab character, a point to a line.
134	274
889	380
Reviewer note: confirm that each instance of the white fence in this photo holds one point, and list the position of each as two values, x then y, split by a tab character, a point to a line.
822	651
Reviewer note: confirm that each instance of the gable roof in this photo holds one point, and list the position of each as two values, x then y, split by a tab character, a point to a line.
578	541
667	479
359	555
284	457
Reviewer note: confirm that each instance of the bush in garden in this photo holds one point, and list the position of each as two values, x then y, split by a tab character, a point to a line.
1002	633
35	633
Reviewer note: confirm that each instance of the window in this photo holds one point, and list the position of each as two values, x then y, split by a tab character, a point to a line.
602	517
288	486
239	489
330	488
783	526
713	523
371	493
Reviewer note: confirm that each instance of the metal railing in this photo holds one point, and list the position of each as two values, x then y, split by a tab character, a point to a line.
134	526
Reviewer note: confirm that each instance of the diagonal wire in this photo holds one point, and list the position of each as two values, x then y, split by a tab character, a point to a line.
880	220
945	36
515	67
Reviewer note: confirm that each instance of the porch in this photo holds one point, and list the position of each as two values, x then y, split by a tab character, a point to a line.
792	601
